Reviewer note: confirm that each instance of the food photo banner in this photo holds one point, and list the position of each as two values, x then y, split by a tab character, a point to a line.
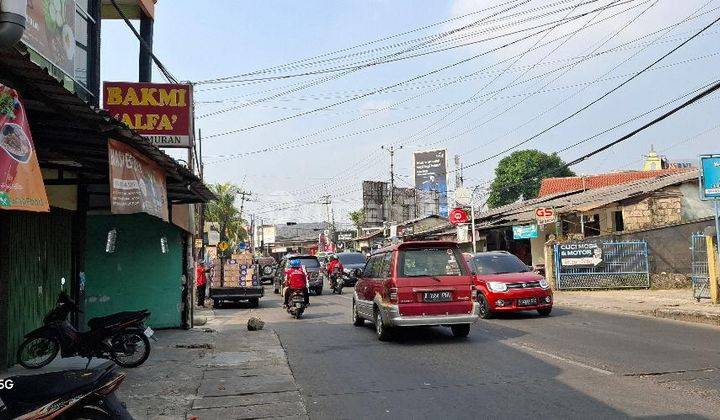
50	31
137	184
160	112
21	182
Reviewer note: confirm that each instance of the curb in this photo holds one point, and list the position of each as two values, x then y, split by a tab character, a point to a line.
696	317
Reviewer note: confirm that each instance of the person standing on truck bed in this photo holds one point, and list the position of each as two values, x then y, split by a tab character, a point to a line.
201	282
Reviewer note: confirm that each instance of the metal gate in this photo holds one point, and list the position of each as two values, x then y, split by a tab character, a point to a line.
700	283
610	265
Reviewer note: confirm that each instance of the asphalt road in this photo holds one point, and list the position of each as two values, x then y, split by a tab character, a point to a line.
574	364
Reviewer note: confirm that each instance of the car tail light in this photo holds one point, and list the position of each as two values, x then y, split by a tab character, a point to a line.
473	292
393	295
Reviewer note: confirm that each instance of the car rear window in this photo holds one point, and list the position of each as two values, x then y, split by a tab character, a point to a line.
351	258
308	262
442	261
498	264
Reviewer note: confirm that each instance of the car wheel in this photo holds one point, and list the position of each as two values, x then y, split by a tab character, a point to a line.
545	311
356	318
217	303
318	291
254	302
485	312
460	331
383	332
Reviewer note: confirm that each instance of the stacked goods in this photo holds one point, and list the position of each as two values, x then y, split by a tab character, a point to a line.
239	270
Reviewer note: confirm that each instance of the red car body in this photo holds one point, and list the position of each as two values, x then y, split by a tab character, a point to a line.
413	284
524	289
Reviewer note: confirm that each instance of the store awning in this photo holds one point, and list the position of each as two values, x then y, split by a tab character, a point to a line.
71	135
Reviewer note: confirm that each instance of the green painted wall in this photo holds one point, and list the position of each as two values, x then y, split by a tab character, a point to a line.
137	275
35	253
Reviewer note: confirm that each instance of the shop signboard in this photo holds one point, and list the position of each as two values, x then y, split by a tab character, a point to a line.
137	184
525	231
161	112
21	182
459	216
710	177
580	254
50	31
430	173
545	215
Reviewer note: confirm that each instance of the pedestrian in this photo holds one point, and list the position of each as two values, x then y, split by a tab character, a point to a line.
201	282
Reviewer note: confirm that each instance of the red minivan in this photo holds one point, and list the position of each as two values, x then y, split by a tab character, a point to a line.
416	283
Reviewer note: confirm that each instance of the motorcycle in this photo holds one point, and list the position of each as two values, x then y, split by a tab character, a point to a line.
67	394
121	337
337	282
296	304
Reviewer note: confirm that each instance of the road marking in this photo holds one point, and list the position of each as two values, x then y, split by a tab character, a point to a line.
563	359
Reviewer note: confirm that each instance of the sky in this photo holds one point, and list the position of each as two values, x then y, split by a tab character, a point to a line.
501	73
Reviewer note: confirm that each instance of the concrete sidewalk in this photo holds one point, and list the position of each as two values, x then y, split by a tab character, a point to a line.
217	371
675	304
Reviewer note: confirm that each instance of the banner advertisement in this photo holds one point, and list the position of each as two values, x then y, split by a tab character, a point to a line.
137	184
580	254
160	112
430	173
21	182
525	231
50	31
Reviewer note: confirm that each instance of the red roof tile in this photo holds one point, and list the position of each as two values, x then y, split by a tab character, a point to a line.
574	183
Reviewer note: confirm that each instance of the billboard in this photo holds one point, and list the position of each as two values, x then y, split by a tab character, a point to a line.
430	173
50	31
137	184
21	182
160	112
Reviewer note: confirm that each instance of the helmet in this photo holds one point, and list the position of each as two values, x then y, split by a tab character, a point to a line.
295	263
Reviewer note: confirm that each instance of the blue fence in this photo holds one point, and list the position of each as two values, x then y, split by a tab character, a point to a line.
610	265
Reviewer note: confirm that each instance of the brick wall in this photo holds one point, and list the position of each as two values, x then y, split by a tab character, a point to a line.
653	211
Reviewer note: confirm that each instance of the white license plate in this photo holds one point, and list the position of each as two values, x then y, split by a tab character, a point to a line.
148	332
298	304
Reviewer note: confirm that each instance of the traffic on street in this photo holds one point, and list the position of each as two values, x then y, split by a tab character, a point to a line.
406	209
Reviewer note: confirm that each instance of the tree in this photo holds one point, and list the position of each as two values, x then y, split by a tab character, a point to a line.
228	217
520	174
358	218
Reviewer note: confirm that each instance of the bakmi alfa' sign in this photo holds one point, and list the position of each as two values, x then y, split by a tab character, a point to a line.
161	112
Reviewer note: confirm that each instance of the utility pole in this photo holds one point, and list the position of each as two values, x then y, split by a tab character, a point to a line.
243	196
391	149
326	201
458	172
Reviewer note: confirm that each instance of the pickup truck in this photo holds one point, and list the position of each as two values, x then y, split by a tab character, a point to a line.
242	283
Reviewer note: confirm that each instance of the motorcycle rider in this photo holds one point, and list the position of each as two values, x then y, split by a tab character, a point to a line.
334	269
296	278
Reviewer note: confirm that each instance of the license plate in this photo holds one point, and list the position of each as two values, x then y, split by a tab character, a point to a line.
298	304
527	302
148	332
437	296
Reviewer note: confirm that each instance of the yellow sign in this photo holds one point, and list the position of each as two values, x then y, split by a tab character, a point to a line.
198	243
223	246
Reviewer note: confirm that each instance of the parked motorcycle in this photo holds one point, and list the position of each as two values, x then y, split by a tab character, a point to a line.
121	337
72	394
296	304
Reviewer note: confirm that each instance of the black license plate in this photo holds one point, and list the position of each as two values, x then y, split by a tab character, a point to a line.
437	297
527	302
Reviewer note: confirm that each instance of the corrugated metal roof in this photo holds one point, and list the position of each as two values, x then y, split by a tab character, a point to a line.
67	126
524	212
